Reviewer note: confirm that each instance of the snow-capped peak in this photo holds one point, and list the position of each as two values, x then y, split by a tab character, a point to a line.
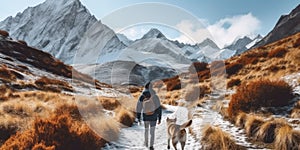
208	42
154	33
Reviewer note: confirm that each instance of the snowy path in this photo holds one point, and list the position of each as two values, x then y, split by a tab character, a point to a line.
132	138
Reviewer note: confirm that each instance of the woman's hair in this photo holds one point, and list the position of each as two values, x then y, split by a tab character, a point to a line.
149	87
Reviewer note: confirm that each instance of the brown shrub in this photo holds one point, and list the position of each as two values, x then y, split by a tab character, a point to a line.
287	139
277	52
125	117
233	68
214	138
297	43
4	33
203	75
71	110
54	85
233	82
109	103
253	124
248	60
261	93
197	67
173	83
6	74
59	132
266	132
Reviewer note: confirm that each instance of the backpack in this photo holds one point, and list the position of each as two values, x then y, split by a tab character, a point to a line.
149	106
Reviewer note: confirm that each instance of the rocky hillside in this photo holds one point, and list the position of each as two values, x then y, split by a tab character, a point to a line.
286	26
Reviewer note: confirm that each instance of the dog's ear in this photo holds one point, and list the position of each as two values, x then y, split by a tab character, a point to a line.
175	119
168	119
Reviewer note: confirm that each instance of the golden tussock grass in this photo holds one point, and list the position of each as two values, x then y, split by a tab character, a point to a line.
125	117
106	127
60	132
253	124
240	120
213	138
287	139
17	109
295	113
109	103
267	132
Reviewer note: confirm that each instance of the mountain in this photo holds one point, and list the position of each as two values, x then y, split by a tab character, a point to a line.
67	30
154	33
57	27
287	25
124	39
243	44
26	68
208	42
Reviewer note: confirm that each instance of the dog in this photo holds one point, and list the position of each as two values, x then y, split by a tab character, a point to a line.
177	132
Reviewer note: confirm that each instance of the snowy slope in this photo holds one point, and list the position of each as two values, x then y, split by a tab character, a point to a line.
55	26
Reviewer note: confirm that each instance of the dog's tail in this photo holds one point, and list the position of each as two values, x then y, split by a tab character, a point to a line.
185	125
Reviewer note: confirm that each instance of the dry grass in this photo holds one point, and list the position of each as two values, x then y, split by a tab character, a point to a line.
278	52
17	109
241	119
173	83
253	124
109	103
213	138
54	85
267	131
295	113
287	139
197	67
233	82
59	132
233	68
296	43
262	93
125	117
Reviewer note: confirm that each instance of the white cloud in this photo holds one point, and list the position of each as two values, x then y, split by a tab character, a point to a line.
132	33
223	32
192	31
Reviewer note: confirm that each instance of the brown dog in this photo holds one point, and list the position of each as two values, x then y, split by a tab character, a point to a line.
177	132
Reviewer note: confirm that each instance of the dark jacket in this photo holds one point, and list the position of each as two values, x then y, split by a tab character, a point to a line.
139	108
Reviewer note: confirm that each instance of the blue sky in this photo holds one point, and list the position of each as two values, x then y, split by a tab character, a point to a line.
243	17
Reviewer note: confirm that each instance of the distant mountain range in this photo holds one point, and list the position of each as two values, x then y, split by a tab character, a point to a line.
67	30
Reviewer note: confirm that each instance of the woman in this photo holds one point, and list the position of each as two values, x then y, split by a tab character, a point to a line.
149	117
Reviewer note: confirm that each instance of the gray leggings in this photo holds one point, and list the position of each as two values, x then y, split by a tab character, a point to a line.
152	125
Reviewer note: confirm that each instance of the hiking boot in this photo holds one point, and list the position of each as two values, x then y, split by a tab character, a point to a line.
151	148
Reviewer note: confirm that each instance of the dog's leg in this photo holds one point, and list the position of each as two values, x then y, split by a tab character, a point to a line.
182	145
174	142
168	142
